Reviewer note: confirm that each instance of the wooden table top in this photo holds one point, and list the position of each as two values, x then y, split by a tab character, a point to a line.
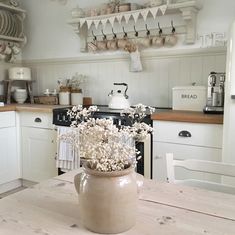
51	208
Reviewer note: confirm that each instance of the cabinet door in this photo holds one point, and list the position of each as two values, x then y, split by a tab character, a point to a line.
38	151
183	152
9	162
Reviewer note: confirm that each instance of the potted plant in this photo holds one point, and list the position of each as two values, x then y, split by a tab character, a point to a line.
76	90
107	188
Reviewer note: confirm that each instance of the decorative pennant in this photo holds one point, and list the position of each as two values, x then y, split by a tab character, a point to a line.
144	13
104	22
89	23
119	18
111	20
163	9
135	16
127	17
96	23
82	21
154	11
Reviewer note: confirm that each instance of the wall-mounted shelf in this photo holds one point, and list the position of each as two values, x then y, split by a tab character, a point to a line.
11	29
188	10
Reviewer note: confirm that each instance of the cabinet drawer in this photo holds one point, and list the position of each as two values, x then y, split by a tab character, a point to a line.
209	135
7	119
39	120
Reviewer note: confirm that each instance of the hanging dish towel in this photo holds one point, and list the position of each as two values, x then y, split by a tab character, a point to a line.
136	65
67	154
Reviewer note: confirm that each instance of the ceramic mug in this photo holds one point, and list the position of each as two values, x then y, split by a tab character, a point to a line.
158	41
112	44
171	40
7	50
101	45
144	42
121	43
15	49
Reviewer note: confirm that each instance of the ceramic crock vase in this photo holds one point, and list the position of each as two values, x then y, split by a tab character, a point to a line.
107	200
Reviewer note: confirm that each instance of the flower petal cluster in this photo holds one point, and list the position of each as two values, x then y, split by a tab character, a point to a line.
105	146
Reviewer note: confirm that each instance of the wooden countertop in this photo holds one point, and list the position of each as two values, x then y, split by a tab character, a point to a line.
52	207
30	108
187	116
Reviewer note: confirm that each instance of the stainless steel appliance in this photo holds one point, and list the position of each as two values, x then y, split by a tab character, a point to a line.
215	93
144	166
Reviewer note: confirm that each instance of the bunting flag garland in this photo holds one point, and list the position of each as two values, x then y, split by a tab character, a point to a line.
119	18
111	20
82	21
154	12
163	9
96	23
89	23
135	16
104	22
126	15
144	13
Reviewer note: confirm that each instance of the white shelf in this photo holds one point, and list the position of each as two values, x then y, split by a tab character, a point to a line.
13	39
187	9
12	8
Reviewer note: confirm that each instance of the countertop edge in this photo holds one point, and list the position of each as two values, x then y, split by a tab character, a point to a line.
187	116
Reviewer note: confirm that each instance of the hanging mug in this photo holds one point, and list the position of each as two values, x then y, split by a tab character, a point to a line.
158	41
171	40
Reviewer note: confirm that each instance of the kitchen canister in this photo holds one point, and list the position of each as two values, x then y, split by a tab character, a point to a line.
76	98
64	98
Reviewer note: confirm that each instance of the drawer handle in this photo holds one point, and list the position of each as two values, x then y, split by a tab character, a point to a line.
37	120
185	134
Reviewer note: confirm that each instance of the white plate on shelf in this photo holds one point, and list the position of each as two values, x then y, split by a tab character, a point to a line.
1	21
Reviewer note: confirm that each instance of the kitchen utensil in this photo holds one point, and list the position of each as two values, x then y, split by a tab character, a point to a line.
119	100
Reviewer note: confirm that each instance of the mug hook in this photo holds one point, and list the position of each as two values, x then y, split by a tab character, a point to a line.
104	36
160	29
136	33
125	33
94	37
114	34
147	30
173	28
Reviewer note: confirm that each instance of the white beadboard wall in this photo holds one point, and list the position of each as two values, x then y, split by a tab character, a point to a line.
153	86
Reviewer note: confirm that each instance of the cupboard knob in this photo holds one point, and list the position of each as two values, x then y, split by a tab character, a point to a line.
185	134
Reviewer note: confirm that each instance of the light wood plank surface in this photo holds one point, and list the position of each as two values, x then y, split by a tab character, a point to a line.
52	208
30	107
187	116
41	207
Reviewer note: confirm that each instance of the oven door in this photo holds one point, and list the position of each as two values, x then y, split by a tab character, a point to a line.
144	165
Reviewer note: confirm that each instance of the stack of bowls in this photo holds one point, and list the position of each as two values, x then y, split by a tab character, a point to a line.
20	95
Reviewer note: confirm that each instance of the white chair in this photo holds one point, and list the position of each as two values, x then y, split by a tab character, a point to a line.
218	168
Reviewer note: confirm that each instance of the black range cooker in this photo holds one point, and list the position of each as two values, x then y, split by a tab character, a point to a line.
144	166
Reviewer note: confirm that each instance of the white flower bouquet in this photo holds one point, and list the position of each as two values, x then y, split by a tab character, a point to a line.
105	146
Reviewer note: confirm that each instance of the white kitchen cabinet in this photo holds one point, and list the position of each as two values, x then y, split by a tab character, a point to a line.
9	161
38	140
204	141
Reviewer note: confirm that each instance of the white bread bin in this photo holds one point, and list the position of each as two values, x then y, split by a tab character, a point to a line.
19	73
192	98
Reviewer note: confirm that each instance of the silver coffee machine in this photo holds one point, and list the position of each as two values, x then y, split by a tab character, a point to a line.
215	93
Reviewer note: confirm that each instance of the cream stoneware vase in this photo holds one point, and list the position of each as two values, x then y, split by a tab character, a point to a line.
108	200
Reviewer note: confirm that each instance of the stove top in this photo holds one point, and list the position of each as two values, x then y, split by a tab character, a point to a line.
60	117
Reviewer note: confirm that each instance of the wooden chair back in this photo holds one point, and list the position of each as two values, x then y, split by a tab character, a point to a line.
218	168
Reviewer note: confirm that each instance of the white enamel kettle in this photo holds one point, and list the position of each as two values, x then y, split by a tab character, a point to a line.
119	100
